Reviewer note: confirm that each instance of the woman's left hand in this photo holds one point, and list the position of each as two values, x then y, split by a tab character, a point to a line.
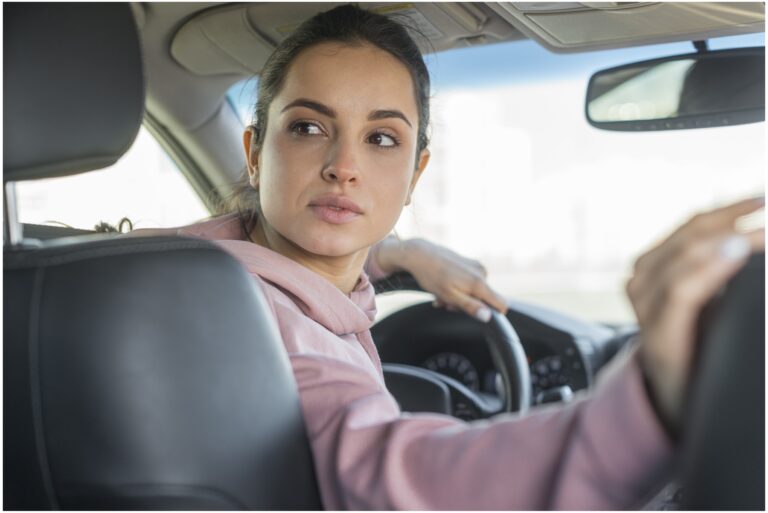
672	283
458	283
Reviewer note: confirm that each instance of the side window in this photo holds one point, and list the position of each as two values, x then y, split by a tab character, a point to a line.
145	186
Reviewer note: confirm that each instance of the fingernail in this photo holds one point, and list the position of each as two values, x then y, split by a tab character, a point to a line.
483	314
734	247
760	200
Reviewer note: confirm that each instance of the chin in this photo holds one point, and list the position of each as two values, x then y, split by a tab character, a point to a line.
335	245
330	248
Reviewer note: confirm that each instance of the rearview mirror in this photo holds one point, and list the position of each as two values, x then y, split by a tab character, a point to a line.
696	90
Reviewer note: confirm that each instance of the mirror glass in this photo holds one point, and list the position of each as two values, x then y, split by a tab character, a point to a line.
687	91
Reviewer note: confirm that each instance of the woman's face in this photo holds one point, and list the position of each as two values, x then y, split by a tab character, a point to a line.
338	161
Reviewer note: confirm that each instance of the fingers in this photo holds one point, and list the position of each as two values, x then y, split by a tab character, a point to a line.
715	248
684	244
702	268
720	220
473	307
707	240
437	303
480	269
707	265
686	289
458	283
478	288
673	282
756	240
489	296
654	289
731	212
473	296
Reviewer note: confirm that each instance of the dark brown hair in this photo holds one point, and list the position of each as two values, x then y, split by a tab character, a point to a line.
345	24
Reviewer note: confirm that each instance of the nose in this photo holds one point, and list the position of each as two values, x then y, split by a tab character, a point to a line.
341	166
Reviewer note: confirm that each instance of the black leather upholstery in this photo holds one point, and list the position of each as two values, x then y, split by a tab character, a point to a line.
73	92
723	456
129	383
138	373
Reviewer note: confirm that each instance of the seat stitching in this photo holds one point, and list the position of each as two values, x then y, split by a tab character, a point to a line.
36	389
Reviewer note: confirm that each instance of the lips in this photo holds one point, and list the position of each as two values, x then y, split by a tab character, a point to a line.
335	209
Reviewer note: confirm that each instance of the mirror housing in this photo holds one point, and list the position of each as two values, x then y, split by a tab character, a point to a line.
696	90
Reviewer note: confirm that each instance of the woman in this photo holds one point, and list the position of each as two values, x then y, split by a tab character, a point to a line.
338	147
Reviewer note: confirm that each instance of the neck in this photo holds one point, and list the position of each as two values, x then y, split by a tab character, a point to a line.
342	271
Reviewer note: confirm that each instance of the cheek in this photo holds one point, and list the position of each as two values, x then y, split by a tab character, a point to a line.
282	167
391	189
287	164
275	180
393	173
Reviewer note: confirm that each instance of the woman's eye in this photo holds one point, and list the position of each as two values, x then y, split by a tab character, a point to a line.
383	140
306	128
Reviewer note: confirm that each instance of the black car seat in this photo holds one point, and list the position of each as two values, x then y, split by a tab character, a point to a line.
139	373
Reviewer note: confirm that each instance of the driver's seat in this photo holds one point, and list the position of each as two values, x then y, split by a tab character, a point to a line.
140	373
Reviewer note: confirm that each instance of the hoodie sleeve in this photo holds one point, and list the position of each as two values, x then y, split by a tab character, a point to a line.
602	451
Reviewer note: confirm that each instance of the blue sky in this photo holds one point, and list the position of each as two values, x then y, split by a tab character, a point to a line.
524	60
514	61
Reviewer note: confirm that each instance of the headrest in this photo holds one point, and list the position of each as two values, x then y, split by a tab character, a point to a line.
73	94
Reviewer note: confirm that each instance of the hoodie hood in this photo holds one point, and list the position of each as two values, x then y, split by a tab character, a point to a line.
317	298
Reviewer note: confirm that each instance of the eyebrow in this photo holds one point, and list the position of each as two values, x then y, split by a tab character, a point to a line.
319	107
327	111
384	114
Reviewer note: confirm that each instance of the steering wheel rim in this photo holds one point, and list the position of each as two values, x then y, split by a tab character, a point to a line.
507	352
726	399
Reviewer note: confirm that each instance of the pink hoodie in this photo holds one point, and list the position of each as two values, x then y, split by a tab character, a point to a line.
606	450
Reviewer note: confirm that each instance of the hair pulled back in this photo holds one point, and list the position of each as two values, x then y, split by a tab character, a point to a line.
347	24
353	25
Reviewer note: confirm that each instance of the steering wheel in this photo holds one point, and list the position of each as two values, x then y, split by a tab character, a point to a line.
506	351
724	423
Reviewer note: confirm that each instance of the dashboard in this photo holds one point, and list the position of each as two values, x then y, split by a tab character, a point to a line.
563	353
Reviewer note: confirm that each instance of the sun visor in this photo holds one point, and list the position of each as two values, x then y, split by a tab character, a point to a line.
571	26
239	38
219	42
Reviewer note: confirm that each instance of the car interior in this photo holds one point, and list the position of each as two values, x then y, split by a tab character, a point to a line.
128	385
79	434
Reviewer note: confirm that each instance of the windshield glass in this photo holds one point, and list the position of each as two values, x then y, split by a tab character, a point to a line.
555	209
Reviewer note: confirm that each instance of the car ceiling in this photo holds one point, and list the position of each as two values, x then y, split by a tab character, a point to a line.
239	38
194	52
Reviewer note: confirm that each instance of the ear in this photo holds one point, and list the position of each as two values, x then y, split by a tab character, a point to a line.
423	161
251	155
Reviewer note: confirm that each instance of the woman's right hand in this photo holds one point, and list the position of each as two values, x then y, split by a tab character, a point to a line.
458	283
671	284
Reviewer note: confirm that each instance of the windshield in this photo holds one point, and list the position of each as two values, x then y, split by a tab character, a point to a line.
555	209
